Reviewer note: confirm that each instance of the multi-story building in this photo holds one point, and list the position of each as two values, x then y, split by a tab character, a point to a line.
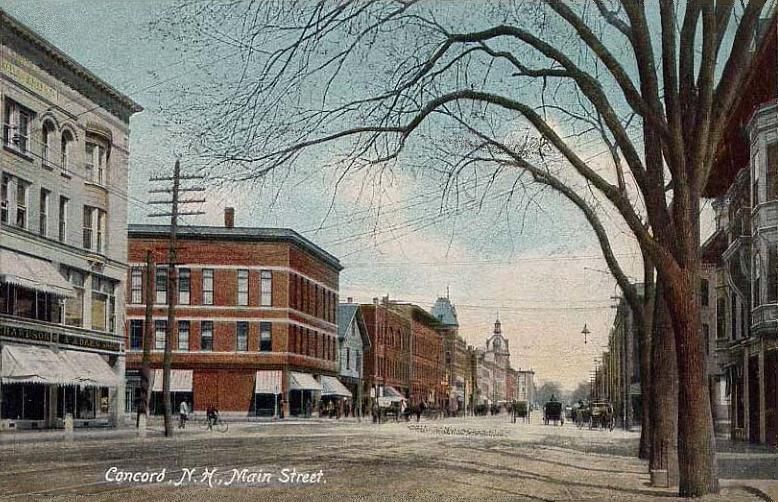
255	317
622	376
456	355
428	378
63	247
353	344
743	181
495	379
387	362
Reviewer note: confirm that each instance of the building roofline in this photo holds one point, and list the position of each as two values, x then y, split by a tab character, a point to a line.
237	234
64	59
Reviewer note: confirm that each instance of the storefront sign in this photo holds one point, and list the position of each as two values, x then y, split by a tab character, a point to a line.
26	79
25	334
88	343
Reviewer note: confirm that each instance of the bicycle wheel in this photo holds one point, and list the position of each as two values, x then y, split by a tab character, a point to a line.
221	426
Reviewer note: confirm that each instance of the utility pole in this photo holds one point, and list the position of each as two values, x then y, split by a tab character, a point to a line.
174	214
145	372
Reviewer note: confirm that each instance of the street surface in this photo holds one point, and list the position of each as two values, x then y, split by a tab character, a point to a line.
474	458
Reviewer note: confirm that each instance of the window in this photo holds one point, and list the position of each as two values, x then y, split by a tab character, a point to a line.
184	285
757	296
65	151
207	286
733	316
17	126
242	336
704	292
348	358
43	213
74	307
160	285
316	300
706	337
88	212
160	329
206	335
265	337
96	161
136	285
721	317
102	293
243	287
136	334
4	198
21	203
755	178
183	335
772	171
63	218
266	288
100	231
47	137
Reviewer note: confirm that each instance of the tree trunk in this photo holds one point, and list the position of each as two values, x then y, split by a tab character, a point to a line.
696	442
664	389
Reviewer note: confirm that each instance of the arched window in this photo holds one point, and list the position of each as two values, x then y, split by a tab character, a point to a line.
66	153
47	142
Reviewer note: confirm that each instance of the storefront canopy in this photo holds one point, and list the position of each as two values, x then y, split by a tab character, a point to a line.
180	381
32	273
268	382
303	381
331	387
34	364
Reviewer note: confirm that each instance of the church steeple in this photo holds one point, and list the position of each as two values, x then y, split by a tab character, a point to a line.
497	326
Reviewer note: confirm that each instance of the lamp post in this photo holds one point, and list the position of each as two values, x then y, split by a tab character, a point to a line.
585	331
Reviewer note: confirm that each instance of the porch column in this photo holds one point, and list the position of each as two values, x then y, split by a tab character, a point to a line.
762	409
53	403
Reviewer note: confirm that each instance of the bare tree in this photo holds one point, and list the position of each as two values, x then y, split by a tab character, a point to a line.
374	80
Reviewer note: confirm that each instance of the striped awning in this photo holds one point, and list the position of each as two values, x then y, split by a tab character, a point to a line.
331	386
32	273
180	380
268	382
303	381
35	364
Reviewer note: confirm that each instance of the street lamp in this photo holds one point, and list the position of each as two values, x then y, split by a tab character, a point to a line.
585	331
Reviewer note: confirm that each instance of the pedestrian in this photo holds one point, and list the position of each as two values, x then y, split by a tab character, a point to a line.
308	408
374	412
183	413
419	410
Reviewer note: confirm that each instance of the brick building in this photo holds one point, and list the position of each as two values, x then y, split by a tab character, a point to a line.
457	358
255	317
63	249
387	361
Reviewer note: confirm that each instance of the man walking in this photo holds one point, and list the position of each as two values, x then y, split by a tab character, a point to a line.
183	414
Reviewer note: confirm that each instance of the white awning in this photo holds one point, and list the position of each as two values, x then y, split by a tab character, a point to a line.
390	391
32	273
34	364
303	381
331	386
180	380
268	382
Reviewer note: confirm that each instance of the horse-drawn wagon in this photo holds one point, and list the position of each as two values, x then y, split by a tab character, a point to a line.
521	410
553	411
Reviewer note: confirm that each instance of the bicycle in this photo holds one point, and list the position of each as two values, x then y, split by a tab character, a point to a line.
219	425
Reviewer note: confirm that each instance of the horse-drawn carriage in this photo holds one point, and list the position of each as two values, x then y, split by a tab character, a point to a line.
553	411
601	415
521	410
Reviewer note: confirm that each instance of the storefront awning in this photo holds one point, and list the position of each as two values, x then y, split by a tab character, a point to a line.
303	381
331	386
180	381
268	382
34	364
32	273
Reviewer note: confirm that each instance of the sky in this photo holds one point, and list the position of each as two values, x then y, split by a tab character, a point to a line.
534	263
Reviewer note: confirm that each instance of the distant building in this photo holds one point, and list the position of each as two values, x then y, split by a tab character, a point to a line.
387	363
525	385
63	246
353	344
456	356
255	317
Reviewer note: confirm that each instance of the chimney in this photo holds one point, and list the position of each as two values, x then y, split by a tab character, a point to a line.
229	217
349	300
375	300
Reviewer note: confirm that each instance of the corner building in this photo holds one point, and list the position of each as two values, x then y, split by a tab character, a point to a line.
64	149
255	318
